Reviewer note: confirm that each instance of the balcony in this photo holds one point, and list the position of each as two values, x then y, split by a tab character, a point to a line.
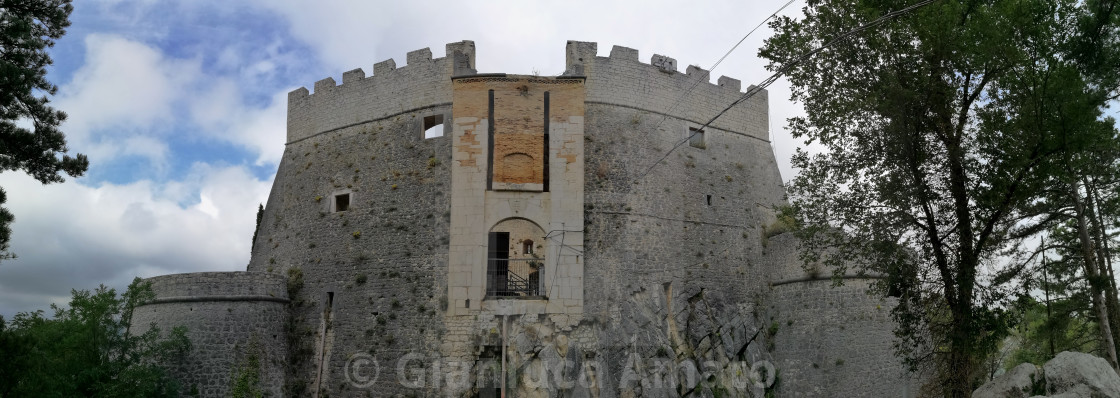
515	278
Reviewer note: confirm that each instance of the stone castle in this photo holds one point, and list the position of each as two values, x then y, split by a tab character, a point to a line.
435	231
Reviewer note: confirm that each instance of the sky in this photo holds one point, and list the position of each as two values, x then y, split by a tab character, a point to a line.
181	108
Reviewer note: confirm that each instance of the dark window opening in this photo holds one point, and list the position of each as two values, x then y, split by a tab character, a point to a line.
527	247
511	277
341	202
433	126
708	199
696	138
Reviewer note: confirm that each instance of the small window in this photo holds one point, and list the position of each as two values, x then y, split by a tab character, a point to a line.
527	247
433	126
708	199
341	202
696	138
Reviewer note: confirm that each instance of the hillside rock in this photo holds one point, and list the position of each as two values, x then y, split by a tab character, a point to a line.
1016	383
1088	375
1068	375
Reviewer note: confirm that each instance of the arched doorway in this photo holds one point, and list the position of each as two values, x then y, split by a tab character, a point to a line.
515	263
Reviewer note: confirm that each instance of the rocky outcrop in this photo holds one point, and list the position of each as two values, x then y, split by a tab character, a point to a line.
1083	374
1068	375
1016	383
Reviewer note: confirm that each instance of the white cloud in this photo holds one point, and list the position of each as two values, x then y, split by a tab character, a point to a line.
74	236
520	37
265	130
122	98
223	116
128	97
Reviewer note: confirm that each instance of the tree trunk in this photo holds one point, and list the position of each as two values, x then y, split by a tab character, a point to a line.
960	366
1046	289
1092	201
1094	277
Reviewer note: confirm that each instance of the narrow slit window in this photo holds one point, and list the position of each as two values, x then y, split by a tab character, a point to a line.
708	199
527	247
696	138
341	202
433	126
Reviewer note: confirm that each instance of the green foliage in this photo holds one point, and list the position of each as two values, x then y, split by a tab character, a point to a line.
785	221
260	216
943	130
295	282
246	382
27	29
1067	327
89	349
1056	311
1038	386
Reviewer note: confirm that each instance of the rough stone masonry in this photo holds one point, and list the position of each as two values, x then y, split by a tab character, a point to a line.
435	231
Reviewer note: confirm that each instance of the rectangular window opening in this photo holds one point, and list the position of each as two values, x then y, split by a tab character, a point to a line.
696	138
708	199
433	126
341	202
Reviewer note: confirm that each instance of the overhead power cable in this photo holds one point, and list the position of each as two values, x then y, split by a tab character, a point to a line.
714	66
785	68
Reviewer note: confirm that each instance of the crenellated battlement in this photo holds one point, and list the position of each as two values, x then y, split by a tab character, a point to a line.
422	83
620	79
658	87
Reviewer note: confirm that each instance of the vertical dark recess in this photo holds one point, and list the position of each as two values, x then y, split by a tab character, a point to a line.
490	145
546	155
497	264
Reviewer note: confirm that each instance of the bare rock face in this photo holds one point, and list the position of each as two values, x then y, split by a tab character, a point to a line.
1016	383
1068	375
1084	374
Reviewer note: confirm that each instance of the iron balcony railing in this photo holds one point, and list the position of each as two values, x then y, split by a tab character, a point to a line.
515	277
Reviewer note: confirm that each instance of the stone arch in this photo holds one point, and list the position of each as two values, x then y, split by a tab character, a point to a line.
509	271
519	168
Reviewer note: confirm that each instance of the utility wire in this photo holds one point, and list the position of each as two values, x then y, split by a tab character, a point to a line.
714	66
761	86
785	68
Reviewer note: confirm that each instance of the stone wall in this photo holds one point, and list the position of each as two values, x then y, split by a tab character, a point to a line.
827	339
229	316
664	259
373	277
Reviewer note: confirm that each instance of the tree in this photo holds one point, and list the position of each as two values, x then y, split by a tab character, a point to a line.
27	29
1055	303
943	131
89	349
260	216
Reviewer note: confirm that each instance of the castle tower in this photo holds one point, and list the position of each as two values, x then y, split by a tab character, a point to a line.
443	231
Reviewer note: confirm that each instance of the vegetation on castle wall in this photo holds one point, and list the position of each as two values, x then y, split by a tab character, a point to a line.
246	374
299	349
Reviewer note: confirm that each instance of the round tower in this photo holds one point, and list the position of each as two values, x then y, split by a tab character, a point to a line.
235	322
